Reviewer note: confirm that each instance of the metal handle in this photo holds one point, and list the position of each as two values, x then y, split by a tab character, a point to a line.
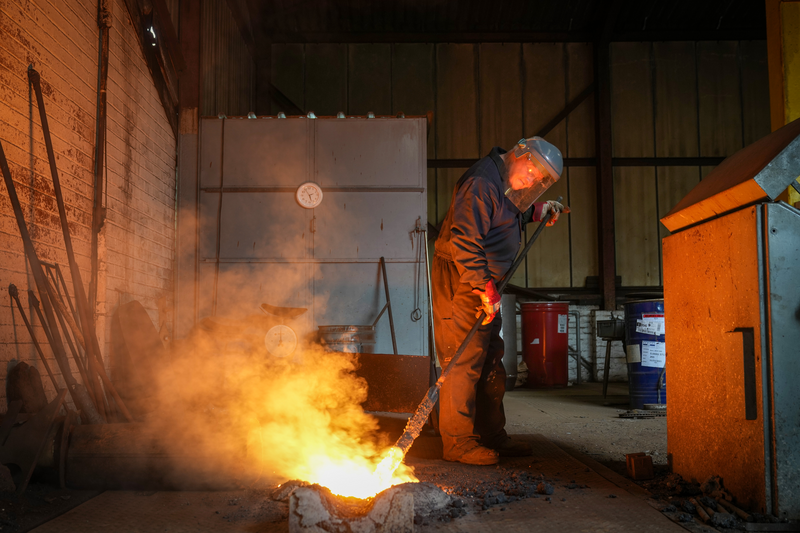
749	354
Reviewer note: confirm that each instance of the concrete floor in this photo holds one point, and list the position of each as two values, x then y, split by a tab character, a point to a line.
577	435
579	418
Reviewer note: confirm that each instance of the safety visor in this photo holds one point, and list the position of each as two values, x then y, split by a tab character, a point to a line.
528	178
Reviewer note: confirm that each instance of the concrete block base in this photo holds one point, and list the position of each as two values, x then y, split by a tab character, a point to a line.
315	510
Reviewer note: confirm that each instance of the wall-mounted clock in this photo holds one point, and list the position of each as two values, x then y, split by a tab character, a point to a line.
281	341
309	195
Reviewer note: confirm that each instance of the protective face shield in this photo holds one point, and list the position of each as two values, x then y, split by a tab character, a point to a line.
534	166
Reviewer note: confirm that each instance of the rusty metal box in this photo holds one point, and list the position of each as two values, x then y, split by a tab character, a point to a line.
611	329
732	309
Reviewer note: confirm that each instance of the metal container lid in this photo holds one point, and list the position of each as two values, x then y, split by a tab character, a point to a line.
544	305
644	301
758	172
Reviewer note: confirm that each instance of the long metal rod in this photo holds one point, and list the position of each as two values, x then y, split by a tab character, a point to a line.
63	320
60	284
389	304
414	426
428	269
98	211
81	400
87	319
14	293
377	318
77	391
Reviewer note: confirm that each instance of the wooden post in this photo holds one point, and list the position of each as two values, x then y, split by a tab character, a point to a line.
605	177
188	139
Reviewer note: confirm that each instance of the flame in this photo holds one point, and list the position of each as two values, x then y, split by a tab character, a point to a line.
358	478
322	435
356	474
301	416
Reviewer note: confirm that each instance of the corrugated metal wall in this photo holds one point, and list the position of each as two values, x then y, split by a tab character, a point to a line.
227	69
669	99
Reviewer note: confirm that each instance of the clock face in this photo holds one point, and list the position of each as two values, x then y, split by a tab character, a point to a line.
280	341
309	195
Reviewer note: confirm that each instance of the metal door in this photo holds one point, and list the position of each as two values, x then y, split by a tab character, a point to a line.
257	245
712	298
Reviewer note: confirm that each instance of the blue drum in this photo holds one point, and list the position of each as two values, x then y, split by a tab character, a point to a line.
646	353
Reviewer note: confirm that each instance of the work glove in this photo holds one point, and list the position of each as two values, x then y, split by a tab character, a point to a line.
556	207
490	302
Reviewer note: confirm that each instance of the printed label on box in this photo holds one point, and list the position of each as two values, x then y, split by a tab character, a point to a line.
562	323
650	325
654	354
633	353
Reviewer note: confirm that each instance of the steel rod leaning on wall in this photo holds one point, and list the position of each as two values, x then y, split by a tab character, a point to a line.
388	304
77	391
87	319
14	293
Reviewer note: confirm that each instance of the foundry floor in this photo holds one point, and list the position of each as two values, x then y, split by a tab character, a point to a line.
572	430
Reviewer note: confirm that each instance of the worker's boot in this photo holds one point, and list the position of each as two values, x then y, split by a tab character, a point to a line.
479	455
509	447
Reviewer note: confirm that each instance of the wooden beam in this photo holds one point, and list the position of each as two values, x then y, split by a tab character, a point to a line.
243	22
283	101
168	34
605	177
591	162
755	34
185	285
777	98
430	37
578	100
190	13
515	37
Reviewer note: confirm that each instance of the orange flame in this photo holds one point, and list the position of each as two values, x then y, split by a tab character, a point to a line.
301	416
317	431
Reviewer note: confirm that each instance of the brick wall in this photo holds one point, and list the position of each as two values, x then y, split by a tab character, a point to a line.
136	249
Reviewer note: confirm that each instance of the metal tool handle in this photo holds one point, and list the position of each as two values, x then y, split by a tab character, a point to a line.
749	355
414	426
388	305
428	271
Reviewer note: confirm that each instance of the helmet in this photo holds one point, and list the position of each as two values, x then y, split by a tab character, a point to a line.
544	152
547	159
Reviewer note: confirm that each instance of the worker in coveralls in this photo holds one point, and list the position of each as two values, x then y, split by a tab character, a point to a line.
479	240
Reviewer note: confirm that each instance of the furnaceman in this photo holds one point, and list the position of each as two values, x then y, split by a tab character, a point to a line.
479	240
